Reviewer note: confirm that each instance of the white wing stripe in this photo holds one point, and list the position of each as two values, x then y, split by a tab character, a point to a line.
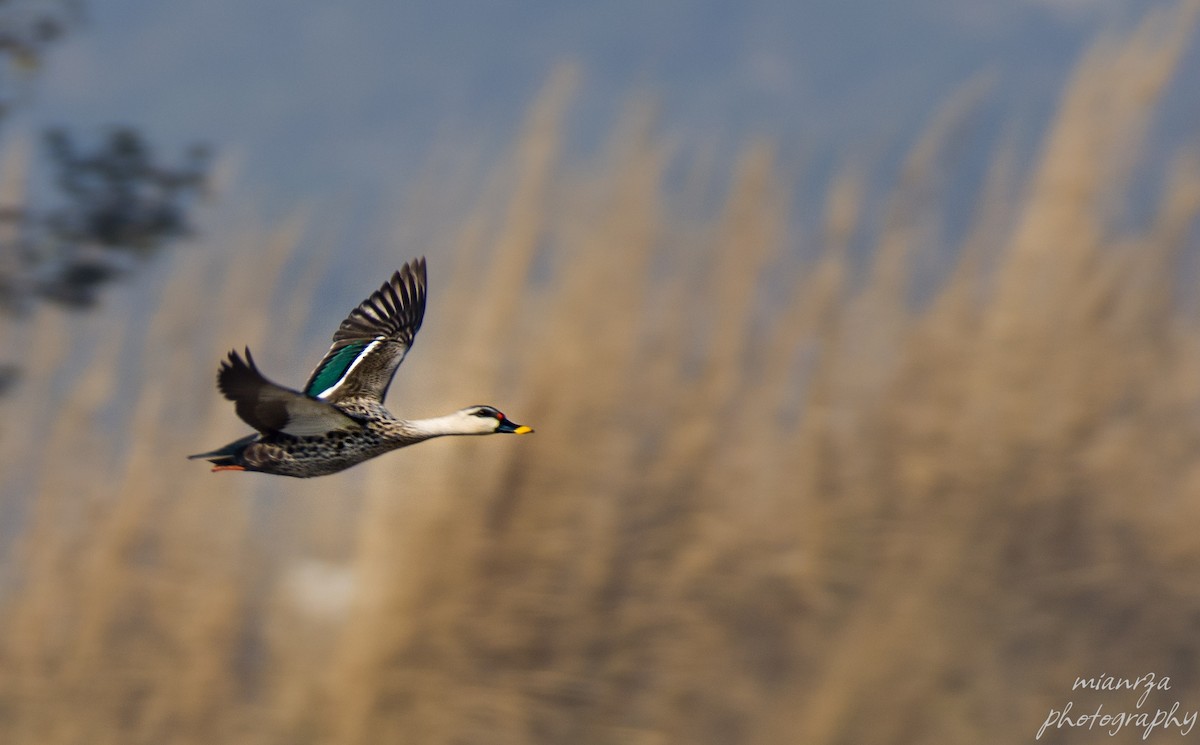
367	350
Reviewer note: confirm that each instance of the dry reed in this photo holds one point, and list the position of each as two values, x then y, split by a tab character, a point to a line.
839	516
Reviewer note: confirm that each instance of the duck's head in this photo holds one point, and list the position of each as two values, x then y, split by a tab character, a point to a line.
486	420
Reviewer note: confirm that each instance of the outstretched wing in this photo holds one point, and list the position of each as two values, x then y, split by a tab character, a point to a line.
272	408
372	341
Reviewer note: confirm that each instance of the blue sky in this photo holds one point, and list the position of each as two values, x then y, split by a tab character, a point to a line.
332	100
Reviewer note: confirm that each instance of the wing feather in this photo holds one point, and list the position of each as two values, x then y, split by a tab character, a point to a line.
272	408
371	343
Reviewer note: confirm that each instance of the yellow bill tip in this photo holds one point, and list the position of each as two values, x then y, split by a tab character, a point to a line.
522	430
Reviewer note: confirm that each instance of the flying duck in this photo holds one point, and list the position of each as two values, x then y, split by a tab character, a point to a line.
339	420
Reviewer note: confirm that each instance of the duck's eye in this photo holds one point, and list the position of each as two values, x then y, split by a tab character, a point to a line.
485	413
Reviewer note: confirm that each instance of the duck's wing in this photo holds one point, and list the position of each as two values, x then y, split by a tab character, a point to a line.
372	341
272	408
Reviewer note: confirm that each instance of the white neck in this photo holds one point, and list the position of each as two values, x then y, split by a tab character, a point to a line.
450	424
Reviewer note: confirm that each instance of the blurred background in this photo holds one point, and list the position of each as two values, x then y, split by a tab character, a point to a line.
861	340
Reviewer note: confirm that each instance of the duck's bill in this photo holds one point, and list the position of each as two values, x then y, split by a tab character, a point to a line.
513	428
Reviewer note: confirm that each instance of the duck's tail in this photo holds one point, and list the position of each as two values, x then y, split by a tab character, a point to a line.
227	455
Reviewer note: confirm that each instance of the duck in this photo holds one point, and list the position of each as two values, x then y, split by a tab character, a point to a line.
338	419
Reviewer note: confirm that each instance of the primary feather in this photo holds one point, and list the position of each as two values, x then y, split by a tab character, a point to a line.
269	407
373	340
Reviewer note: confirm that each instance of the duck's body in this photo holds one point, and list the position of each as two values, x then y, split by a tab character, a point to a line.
339	419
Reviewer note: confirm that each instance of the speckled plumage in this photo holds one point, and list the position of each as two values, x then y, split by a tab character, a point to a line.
339	420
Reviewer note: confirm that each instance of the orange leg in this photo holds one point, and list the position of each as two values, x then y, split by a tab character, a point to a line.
228	468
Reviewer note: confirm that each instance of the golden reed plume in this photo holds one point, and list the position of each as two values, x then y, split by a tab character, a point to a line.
771	499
